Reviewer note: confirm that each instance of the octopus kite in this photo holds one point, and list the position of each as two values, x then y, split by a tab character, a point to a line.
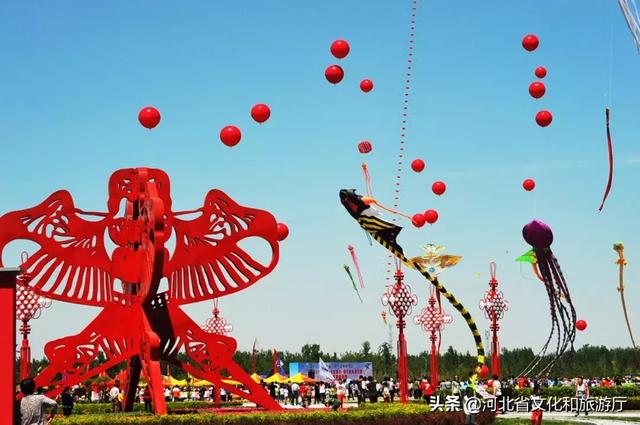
563	314
385	233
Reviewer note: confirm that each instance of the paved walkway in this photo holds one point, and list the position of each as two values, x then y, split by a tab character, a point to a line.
595	418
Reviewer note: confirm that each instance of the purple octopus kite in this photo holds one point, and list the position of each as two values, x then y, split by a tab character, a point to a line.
563	314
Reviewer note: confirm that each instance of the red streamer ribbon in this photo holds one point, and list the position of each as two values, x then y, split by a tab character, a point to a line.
352	251
610	147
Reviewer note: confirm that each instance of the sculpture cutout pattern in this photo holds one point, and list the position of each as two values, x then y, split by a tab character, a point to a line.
72	264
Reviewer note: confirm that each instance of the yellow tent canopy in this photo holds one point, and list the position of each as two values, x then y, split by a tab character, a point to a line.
276	378
205	383
173	382
256	377
299	378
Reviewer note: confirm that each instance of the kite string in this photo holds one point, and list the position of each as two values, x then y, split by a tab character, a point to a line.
405	113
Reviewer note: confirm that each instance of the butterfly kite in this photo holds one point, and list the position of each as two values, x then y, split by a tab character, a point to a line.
139	323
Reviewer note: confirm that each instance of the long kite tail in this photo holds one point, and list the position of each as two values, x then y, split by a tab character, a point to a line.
607	112
619	248
353	282
373	229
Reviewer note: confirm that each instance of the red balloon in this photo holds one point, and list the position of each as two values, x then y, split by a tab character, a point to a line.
528	184
484	371
438	188
418	220
364	146
544	118
431	216
537	89
541	72
149	117
530	42
366	85
334	74
581	325
260	112
340	48
230	135
282	231
417	165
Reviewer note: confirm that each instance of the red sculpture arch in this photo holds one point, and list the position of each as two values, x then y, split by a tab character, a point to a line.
139	324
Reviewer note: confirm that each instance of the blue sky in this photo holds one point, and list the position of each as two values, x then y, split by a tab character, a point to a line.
76	74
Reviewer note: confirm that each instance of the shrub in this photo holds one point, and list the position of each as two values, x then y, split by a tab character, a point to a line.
379	414
93	408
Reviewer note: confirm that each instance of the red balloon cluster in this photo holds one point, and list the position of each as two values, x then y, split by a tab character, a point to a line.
537	89
581	325
334	73
366	85
529	185
364	146
417	165
149	117
260	112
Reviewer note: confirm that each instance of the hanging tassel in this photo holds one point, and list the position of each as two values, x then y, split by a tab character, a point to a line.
354	258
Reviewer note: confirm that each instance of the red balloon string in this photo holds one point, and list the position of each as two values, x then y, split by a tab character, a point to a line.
367	180
354	258
607	112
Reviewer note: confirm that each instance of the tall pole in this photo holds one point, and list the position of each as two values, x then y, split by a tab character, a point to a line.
400	300
7	342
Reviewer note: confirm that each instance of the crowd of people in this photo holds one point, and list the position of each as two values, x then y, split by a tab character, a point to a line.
364	389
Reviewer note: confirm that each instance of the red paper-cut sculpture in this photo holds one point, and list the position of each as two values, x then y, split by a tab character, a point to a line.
139	323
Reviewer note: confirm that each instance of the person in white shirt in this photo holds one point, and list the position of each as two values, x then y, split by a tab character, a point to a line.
114	394
582	394
295	393
497	391
32	406
323	392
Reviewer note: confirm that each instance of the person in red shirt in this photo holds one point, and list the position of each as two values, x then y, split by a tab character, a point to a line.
428	390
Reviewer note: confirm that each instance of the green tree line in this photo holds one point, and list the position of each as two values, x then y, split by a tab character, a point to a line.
593	361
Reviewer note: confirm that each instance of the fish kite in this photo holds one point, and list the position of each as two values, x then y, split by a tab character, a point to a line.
386	233
563	314
353	282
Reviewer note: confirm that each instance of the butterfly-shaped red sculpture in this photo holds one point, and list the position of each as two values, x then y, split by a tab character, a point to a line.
139	323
